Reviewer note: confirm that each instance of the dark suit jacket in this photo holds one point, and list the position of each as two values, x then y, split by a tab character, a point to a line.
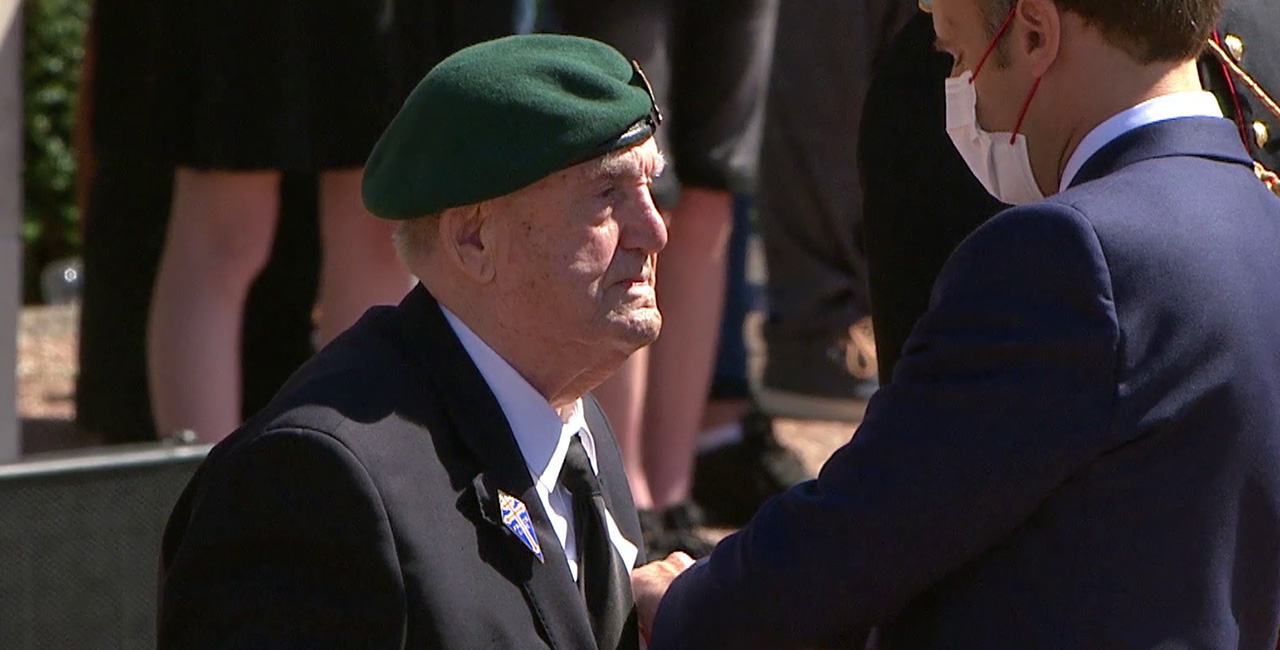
360	510
1080	447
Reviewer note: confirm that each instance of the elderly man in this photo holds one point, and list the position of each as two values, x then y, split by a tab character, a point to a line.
1078	447
438	476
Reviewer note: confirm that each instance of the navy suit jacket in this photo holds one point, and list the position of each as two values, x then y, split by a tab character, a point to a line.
1079	449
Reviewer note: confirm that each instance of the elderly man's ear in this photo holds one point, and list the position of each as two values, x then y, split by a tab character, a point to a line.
467	240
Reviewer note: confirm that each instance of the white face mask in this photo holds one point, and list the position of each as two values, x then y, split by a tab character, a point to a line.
999	160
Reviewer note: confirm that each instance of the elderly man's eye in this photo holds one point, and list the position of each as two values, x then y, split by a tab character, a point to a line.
608	192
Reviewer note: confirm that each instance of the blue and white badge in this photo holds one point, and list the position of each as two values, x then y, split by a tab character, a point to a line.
516	517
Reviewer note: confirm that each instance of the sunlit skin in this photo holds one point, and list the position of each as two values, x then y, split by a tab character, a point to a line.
558	277
1004	83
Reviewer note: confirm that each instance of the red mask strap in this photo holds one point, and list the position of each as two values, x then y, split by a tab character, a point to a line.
1008	20
1235	98
1025	106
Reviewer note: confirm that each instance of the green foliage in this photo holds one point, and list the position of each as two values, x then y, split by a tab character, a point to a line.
53	49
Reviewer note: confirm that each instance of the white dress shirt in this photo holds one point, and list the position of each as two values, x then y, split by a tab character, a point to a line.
1166	107
543	438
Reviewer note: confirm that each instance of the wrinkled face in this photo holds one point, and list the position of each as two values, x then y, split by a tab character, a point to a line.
1004	81
577	272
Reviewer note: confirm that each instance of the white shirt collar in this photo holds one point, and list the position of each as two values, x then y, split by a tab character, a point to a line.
1166	107
540	433
543	438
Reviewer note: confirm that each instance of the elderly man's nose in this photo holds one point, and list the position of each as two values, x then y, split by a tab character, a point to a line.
645	229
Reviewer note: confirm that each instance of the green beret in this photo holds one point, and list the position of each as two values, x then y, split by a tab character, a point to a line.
501	115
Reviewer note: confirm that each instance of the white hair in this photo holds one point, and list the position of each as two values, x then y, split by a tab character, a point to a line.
414	237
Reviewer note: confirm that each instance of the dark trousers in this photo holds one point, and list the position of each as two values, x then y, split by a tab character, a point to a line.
708	62
809	194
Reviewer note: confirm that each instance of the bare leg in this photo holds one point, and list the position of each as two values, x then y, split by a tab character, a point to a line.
219	239
691	285
359	268
622	398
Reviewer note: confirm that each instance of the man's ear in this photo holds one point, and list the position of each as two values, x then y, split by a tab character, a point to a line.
1040	33
466	242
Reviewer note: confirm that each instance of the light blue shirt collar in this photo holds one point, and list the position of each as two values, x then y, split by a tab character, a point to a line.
1159	109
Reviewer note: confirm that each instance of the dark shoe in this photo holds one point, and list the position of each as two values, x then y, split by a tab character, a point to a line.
731	482
676	529
819	379
650	529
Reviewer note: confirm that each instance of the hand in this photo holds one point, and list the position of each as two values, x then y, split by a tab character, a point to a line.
649	583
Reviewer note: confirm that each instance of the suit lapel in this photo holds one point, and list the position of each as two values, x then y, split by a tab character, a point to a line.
478	422
549	587
1202	137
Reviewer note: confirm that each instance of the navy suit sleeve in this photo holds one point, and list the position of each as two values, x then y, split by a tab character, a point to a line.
286	546
1004	391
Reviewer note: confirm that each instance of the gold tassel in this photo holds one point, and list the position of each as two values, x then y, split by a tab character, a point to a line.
1248	81
1268	177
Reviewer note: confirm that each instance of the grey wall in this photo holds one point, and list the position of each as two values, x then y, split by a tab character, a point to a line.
79	546
10	218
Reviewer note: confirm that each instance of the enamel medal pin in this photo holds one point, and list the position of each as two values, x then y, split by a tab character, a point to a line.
516	517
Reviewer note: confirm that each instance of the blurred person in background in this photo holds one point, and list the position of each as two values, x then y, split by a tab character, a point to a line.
709	64
164	96
257	89
820	356
740	462
125	197
1243	69
921	200
818	364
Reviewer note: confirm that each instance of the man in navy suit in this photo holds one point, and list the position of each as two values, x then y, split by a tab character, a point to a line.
1079	446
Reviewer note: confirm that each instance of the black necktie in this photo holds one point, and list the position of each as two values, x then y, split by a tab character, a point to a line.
603	580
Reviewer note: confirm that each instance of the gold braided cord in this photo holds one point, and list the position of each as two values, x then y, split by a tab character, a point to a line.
1268	177
1249	82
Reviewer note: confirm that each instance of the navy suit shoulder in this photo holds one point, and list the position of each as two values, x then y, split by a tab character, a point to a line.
1078	446
361	510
